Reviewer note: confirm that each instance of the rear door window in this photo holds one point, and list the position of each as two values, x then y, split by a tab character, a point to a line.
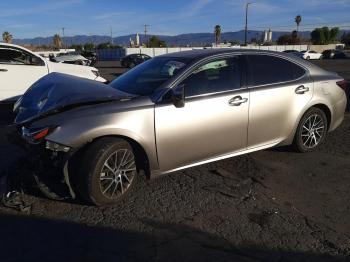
267	69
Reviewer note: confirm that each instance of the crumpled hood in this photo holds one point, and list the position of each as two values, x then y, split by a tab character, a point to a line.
56	92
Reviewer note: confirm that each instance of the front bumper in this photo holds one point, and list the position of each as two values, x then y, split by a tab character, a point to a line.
101	79
49	168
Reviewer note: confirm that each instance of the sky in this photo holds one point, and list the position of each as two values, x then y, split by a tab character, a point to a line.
33	18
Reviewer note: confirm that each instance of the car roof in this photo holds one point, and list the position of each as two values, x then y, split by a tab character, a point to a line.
197	54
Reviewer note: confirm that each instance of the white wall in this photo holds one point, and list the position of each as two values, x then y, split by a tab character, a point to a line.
166	50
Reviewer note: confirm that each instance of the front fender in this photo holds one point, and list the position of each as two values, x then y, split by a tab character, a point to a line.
76	128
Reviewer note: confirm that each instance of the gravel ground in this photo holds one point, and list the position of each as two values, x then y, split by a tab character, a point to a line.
272	205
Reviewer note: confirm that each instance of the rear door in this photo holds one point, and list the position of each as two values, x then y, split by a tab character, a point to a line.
213	121
19	69
279	90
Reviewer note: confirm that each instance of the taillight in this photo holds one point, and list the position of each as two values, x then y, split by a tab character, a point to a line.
342	84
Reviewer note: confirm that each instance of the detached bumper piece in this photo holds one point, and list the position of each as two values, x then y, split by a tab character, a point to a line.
50	166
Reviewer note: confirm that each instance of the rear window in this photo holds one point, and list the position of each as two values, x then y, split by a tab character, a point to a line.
265	69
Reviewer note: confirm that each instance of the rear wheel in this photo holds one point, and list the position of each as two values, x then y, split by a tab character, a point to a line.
108	171
132	65
312	130
308	58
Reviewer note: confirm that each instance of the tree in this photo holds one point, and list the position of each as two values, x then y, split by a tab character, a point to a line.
289	39
89	46
78	47
298	21
156	42
217	34
57	42
284	40
345	39
235	42
324	36
6	37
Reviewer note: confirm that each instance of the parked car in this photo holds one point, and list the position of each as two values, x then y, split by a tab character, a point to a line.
309	55
91	55
176	111
71	58
290	51
20	68
333	54
133	60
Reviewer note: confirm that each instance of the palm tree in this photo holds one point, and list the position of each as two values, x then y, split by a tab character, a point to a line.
7	37
217	33
297	21
57	42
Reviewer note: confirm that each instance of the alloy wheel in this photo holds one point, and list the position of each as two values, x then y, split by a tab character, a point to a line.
313	131
117	173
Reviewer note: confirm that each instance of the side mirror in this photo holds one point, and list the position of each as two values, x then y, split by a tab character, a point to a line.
178	96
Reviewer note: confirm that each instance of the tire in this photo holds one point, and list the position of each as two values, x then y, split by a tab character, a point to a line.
132	65
308	141
96	182
308	58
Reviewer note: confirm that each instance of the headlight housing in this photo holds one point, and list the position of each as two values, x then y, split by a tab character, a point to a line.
35	135
56	147
96	73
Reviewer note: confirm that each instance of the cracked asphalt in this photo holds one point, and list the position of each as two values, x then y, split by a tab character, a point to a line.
271	205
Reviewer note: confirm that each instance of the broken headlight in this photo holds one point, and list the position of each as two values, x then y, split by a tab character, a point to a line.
35	135
96	73
56	147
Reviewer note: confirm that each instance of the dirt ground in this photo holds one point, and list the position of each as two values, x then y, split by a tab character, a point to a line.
272	205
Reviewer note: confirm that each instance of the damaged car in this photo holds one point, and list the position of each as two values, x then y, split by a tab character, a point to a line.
173	112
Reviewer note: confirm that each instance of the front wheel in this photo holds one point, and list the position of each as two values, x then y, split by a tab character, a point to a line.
108	171
311	131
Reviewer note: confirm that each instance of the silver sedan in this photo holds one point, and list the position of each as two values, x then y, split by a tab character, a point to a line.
177	111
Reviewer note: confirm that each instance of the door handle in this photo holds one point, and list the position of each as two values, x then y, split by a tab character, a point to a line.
301	89
237	101
3	70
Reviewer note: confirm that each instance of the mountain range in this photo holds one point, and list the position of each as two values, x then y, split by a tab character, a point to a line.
191	39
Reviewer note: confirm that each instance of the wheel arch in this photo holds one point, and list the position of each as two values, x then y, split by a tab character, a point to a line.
325	108
327	112
142	158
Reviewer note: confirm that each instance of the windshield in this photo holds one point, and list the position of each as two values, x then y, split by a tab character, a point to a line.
148	76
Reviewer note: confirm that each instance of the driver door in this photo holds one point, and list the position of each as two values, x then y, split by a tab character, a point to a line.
212	124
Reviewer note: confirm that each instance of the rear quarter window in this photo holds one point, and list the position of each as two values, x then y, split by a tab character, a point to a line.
267	69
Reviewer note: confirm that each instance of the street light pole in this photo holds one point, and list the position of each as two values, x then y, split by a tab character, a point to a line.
146	30
63	40
246	23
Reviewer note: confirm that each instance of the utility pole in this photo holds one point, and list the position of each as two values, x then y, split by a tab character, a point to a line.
63	42
246	23
146	30
111	35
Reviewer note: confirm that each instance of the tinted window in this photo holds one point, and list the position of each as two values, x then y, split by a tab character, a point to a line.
215	76
17	57
145	78
266	69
